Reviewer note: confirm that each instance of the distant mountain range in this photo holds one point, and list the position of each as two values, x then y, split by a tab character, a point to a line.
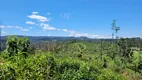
53	38
34	39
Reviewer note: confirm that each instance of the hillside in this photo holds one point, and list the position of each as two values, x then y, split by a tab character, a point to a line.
73	60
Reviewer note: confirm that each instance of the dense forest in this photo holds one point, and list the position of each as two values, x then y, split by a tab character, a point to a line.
53	58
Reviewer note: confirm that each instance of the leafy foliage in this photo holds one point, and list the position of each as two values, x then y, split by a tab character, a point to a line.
75	60
15	45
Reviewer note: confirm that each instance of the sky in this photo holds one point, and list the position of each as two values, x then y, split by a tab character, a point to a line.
90	18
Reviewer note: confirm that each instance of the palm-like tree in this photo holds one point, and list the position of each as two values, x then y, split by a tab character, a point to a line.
115	29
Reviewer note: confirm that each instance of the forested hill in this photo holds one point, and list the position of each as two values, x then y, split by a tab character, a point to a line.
37	39
71	60
53	38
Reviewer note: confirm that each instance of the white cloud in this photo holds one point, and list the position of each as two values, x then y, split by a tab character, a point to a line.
30	27
98	36
39	18
3	32
17	27
2	26
47	27
65	15
48	13
10	26
137	36
58	29
130	36
77	34
65	30
74	33
30	22
70	32
24	30
21	28
44	26
34	12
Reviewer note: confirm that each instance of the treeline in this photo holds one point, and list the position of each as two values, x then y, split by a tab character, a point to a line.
42	42
134	43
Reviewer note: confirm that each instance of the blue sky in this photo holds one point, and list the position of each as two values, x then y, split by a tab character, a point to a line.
91	18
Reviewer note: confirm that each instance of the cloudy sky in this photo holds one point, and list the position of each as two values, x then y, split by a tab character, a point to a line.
90	18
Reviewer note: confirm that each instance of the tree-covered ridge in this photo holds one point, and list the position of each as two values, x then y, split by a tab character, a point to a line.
71	60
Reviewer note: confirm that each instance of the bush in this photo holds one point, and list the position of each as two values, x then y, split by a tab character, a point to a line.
15	45
110	75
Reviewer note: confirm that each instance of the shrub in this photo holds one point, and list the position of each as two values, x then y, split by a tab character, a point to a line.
107	74
15	45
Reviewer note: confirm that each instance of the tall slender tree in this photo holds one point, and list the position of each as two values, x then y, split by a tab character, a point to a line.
115	30
0	35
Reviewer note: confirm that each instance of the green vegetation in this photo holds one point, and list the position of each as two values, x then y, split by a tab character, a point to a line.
71	60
